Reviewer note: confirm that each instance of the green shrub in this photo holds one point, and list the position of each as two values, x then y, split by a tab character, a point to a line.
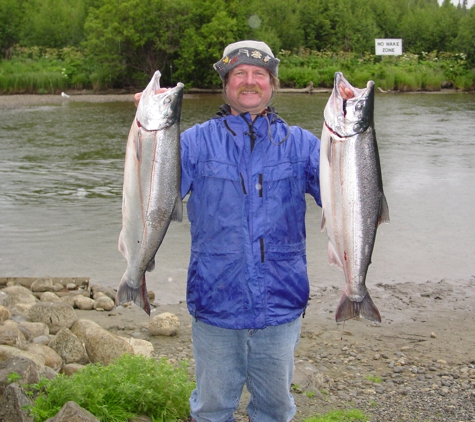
130	386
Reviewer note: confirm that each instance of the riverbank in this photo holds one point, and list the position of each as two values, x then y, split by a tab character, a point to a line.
417	365
28	100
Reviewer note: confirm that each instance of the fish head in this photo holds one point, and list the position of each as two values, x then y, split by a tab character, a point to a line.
349	110
157	111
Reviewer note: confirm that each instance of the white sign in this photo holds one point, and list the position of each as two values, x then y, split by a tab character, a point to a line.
388	46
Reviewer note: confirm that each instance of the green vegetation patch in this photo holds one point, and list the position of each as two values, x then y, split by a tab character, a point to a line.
130	386
352	415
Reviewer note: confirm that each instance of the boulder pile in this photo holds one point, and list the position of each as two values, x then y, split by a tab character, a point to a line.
42	336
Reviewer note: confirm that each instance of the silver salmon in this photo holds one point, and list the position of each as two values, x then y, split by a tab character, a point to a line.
151	192
353	201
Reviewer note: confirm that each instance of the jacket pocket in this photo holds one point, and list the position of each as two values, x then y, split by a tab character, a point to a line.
284	195
220	170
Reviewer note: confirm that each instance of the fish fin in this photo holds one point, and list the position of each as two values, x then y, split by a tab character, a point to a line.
383	211
138	146
329	151
151	265
323	224
139	296
122	245
348	309
333	258
177	214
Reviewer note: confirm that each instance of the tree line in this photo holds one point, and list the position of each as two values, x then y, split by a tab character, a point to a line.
120	43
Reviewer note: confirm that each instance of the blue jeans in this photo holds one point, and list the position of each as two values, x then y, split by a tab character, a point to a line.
227	359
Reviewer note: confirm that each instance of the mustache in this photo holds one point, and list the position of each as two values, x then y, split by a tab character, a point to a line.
251	88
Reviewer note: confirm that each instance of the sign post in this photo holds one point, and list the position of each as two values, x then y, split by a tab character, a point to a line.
388	46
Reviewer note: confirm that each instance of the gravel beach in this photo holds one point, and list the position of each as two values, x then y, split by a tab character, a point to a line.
417	365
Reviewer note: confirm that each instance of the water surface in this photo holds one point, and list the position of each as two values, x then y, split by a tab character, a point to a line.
61	170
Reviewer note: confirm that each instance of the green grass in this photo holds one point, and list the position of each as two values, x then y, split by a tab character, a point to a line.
130	386
373	378
47	71
353	415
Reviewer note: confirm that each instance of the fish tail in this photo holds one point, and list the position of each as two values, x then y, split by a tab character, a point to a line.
348	309
139	296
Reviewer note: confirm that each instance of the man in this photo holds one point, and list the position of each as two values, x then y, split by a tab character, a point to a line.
247	173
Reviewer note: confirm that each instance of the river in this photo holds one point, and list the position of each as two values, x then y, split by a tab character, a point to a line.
61	170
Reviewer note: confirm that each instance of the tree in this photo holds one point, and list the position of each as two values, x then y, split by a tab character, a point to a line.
127	40
53	23
11	17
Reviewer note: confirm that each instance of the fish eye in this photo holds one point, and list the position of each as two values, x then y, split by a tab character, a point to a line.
359	106
167	100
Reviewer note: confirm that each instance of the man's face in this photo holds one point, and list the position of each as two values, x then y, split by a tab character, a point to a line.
248	89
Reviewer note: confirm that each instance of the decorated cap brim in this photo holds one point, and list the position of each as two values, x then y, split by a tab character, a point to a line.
250	56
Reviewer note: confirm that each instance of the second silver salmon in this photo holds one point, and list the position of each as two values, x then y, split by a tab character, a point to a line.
353	200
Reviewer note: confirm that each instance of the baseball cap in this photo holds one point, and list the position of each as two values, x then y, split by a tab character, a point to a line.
256	53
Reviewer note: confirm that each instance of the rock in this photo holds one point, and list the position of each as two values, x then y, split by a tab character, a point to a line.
4	313
141	347
71	298
105	303
42	339
48	373
35	329
52	359
98	290
21	310
49	297
69	347
12	405
16	295
45	285
101	345
306	375
72	412
84	303
11	335
165	324
7	352
56	315
141	418
70	368
24	367
19	325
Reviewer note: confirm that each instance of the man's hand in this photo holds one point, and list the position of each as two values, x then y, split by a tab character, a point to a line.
137	98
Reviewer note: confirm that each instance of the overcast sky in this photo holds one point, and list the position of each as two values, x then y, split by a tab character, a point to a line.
456	2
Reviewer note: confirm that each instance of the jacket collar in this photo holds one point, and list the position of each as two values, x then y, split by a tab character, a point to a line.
225	110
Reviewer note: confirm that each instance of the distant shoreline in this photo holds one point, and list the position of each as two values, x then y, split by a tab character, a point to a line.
25	100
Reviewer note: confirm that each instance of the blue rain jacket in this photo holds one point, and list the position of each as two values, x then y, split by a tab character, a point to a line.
248	266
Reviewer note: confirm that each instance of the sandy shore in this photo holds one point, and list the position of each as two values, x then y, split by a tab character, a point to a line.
27	100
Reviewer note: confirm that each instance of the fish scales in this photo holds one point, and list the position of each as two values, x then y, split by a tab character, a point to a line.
151	191
353	201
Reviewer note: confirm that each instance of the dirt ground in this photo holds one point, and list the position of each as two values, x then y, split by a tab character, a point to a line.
427	324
